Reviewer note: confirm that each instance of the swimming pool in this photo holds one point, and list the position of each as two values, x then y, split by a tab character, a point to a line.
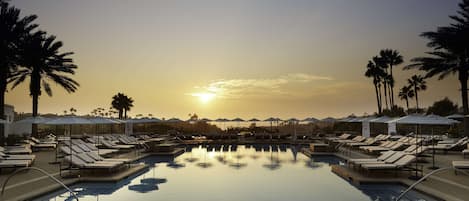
234	173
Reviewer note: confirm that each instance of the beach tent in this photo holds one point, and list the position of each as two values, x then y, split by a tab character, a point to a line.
365	125
390	128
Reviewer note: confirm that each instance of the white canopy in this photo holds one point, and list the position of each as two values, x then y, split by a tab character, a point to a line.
423	120
143	120
71	120
101	120
382	119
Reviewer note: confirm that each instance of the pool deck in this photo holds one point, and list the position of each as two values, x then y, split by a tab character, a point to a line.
445	185
39	184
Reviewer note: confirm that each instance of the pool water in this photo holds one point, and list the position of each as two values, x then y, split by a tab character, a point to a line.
234	173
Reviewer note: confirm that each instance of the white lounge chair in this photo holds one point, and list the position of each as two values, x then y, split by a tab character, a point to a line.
461	164
402	162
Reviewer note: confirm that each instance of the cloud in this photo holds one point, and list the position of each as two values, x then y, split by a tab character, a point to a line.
236	88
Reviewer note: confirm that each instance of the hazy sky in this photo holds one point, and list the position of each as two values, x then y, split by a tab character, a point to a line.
246	58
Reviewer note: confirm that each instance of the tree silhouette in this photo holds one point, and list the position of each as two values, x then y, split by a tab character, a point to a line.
374	71
405	93
418	83
391	58
41	62
122	104
12	30
450	53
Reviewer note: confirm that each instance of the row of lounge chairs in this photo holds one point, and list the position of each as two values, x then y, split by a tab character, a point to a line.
388	160
15	157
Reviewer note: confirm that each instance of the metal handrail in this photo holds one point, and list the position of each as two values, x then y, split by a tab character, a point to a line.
42	171
425	177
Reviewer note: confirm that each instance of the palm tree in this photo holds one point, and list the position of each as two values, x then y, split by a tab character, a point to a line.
12	28
405	93
118	102
128	104
374	71
42	62
122	104
391	58
417	83
450	53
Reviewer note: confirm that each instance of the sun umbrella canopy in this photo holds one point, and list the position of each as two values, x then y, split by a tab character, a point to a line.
173	120
237	119
254	119
382	119
69	121
271	119
310	119
293	119
101	120
143	120
205	119
33	120
424	120
329	120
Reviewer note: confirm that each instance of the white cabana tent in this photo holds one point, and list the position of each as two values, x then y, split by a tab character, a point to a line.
391	128
425	120
365	125
24	126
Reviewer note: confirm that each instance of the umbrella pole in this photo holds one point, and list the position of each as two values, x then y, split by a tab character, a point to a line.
71	153
433	167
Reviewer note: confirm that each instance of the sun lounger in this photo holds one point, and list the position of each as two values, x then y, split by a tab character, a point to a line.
402	162
448	147
461	164
109	144
97	157
14	163
385	155
341	137
89	159
4	156
391	159
16	150
80	163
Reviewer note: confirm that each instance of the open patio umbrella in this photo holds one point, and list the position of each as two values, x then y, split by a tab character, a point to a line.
254	120
205	120
174	120
423	120
271	120
69	120
25	125
102	121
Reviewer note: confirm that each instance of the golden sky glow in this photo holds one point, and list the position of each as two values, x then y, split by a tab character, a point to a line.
246	58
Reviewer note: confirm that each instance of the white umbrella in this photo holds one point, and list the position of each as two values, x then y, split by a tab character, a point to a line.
424	120
25	125
70	120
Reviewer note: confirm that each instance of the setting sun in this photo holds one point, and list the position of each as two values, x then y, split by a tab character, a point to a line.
204	97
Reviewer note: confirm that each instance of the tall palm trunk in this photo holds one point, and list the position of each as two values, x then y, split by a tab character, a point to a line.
391	87
386	94
407	103
380	98
377	98
125	114
416	98
35	85
463	77
3	88
389	96
120	113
